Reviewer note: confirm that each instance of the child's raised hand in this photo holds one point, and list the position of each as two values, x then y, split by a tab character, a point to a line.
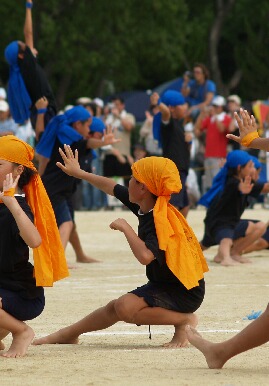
246	124
246	185
118	225
42	103
109	136
71	165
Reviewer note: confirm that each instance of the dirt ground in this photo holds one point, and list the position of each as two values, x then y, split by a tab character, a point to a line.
123	354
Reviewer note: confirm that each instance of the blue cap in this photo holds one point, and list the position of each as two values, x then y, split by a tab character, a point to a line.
173	98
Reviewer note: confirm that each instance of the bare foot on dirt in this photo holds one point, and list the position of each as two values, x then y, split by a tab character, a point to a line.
20	343
211	351
60	337
241	259
180	338
86	259
228	262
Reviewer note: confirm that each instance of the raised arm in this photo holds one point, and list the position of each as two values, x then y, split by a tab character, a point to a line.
28	26
164	110
72	168
108	139
248	134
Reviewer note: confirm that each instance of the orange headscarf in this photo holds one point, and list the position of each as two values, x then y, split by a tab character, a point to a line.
183	253
49	258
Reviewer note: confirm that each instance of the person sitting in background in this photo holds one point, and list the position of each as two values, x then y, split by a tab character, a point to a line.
199	91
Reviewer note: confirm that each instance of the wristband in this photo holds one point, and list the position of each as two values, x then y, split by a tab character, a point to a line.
29	5
247	139
41	111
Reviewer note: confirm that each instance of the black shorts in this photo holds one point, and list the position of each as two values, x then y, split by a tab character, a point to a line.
21	308
180	200
172	297
216	236
240	229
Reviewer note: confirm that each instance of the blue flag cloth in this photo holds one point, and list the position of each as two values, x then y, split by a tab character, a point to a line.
169	98
60	127
18	97
235	158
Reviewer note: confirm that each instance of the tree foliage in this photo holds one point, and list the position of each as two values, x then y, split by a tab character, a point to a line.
95	47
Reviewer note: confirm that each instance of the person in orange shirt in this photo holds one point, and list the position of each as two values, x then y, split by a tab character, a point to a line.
165	244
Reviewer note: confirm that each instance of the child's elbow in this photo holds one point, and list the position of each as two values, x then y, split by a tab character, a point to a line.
36	242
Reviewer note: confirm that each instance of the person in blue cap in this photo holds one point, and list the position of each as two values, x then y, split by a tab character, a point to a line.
27	81
70	128
226	201
168	129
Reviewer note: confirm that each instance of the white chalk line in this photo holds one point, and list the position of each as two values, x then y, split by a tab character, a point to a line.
158	332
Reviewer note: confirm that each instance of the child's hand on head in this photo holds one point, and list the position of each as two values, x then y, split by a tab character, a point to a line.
246	185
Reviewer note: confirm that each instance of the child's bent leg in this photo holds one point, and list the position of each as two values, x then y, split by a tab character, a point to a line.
133	309
217	354
21	333
99	319
225	253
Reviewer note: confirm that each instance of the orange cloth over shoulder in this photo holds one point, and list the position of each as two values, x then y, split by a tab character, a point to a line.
183	253
49	258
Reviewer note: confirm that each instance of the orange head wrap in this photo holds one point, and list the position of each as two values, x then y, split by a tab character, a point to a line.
183	253
49	258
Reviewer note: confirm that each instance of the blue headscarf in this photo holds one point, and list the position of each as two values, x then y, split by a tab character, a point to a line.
97	125
18	97
169	98
60	127
235	158
256	162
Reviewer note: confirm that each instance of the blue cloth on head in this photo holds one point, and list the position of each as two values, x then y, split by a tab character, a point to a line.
256	162
18	97
169	98
60	127
97	125
235	158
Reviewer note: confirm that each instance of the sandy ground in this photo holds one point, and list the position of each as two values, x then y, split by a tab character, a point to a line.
123	354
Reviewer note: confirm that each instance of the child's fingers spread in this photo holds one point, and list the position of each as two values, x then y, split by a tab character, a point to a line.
61	166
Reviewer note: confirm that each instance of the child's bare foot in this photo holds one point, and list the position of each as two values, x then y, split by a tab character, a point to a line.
86	259
180	338
241	259
228	262
2	346
217	259
60	337
210	350
20	343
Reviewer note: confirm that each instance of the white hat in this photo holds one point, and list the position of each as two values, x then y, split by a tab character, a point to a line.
83	100
4	106
234	98
219	100
99	102
3	94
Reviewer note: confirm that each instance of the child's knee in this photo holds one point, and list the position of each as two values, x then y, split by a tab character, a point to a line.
123	311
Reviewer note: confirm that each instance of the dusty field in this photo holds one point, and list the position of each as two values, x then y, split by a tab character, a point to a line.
123	354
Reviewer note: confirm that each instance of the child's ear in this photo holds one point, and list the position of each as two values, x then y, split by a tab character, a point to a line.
19	170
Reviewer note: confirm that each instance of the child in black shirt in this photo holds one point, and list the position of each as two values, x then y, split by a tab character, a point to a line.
165	244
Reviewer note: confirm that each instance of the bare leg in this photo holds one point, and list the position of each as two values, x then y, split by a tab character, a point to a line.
130	309
65	230
21	333
184	211
224	253
3	334
80	254
254	232
259	245
217	354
